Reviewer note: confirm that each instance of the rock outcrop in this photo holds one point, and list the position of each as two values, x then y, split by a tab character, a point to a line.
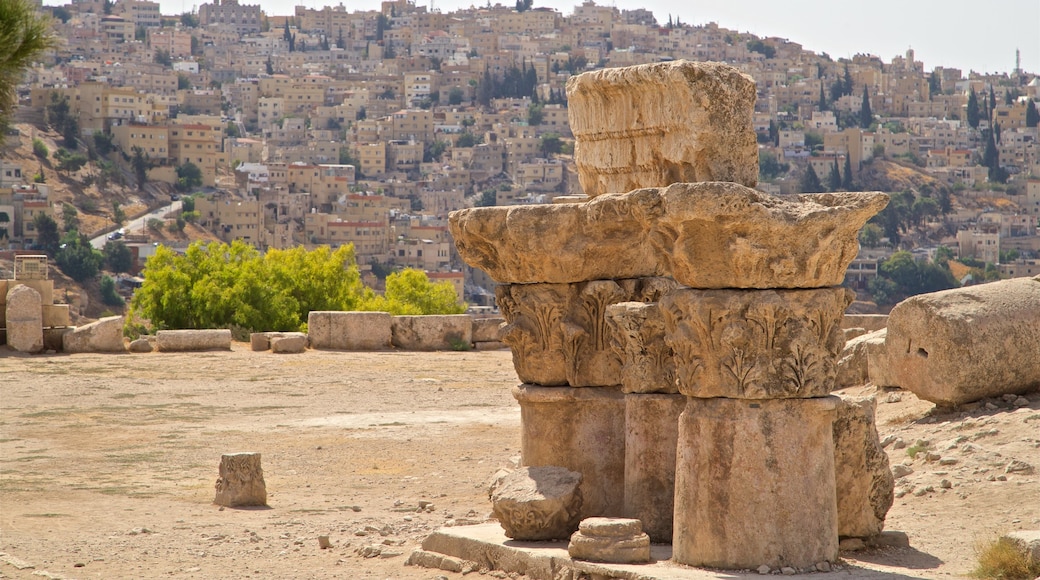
657	124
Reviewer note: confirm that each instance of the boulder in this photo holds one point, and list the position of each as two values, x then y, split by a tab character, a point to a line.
432	332
966	344
653	125
241	482
289	343
613	540
864	482
704	235
104	335
141	345
349	330
24	319
853	367
538	503
193	340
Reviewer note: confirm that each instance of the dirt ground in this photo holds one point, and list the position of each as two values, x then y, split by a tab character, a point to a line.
108	464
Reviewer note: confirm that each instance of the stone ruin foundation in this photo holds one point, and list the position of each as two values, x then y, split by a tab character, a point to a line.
678	339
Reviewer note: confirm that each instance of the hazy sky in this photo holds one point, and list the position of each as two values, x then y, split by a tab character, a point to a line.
980	36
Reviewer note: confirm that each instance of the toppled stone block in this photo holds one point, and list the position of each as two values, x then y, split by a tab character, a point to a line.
104	335
704	235
538	503
559	334
853	367
581	429
24	319
241	481
729	452
488	329
653	125
966	344
864	481
760	344
432	332
613	540
140	345
289	343
637	338
349	330
193	340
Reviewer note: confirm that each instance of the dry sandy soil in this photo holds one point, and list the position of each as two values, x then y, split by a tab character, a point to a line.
108	464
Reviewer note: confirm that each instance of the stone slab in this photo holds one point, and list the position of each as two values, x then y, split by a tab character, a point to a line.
488	329
24	319
432	332
653	125
55	315
704	235
336	330
193	340
104	335
488	545
755	344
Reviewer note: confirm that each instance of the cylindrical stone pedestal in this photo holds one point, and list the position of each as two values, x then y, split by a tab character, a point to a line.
582	429
651	432
755	483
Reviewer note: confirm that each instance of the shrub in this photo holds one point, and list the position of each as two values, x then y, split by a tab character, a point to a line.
1007	559
40	149
108	292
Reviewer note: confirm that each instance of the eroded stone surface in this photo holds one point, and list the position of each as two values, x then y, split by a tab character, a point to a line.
349	330
241	481
738	462
615	540
656	124
582	429
434	332
853	363
863	478
24	319
637	338
538	503
191	340
704	235
104	335
289	343
651	433
761	344
559	334
487	329
963	345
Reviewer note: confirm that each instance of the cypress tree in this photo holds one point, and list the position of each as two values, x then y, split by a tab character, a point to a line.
834	179
1032	115
846	182
973	109
866	116
810	181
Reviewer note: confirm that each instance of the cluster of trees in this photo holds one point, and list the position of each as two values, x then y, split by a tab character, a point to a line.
72	251
901	276
837	179
518	82
218	285
905	210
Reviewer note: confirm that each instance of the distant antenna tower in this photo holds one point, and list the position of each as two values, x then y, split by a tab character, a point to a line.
1018	61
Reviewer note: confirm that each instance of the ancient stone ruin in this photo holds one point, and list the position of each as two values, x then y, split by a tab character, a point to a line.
29	320
677	334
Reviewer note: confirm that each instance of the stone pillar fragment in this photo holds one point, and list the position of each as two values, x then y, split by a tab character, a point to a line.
615	540
241	481
24	319
755	344
582	429
657	124
559	334
863	478
637	337
651	434
538	503
755	483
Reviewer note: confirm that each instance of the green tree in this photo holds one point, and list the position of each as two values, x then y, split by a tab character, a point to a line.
455	96
846	179
108	292
188	204
550	144
834	177
769	167
118	215
847	85
69	217
870	235
535	116
411	292
466	139
141	164
25	32
69	162
189	176
47	236
118	256
189	20
973	109
934	84
1032	115
163	57
155	224
103	143
810	181
77	258
866	116
911	277
183	82
40	148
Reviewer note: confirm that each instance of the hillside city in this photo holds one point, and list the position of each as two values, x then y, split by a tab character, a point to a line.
330	127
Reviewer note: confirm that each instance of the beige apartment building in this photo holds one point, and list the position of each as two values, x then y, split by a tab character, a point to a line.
242	18
153	140
200	145
372	157
232	220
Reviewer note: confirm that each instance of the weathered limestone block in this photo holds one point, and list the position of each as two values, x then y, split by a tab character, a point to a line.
758	344
559	334
637	338
704	235
193	340
962	345
754	484
877	360
289	343
614	540
869	322
653	125
55	315
141	345
349	330
538	503
488	329
1029	540
582	429
24	319
863	478
104	335
432	332
261	341
651	434
241	481
852	365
